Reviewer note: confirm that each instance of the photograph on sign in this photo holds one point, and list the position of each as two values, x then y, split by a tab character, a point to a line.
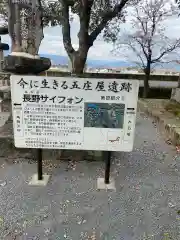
104	115
74	113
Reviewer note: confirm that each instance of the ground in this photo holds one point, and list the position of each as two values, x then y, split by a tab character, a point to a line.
173	107
145	205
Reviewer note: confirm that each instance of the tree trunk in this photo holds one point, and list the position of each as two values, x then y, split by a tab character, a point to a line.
78	61
147	72
146	86
178	81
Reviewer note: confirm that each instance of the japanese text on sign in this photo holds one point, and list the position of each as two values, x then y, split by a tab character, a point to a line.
55	99
74	113
87	85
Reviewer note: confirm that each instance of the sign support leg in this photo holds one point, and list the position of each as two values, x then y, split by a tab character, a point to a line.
39	179
39	164
105	183
107	167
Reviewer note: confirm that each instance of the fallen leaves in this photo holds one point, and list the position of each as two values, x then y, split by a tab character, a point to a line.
1	221
178	149
178	212
3	183
168	141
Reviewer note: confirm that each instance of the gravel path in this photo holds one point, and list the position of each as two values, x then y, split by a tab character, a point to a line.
145	205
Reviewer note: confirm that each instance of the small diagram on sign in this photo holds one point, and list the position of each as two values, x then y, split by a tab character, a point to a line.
114	140
113	137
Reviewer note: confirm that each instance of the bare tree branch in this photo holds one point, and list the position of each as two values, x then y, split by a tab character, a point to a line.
167	50
142	21
135	50
142	44
149	34
106	18
149	42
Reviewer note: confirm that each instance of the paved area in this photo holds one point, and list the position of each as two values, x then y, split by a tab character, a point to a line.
3	118
166	120
145	205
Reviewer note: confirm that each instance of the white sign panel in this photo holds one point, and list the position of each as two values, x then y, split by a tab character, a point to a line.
74	113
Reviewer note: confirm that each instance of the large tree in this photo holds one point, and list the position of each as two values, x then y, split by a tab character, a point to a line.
148	40
95	17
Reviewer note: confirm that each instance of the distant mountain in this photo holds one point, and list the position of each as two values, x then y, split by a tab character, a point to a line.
63	60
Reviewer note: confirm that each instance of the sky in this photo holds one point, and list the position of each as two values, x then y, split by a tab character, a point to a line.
53	44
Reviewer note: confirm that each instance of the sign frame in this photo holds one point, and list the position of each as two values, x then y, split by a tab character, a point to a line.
113	88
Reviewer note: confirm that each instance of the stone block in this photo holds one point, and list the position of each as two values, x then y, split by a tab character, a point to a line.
175	94
176	136
24	65
101	184
167	120
7	95
4	46
171	123
3	30
35	182
3	117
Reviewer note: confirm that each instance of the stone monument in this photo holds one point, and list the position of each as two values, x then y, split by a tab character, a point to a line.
4	78
25	28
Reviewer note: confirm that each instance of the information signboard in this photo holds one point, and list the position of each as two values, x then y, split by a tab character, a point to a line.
74	113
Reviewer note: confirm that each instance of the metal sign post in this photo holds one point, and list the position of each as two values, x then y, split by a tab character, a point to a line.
107	167
39	164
